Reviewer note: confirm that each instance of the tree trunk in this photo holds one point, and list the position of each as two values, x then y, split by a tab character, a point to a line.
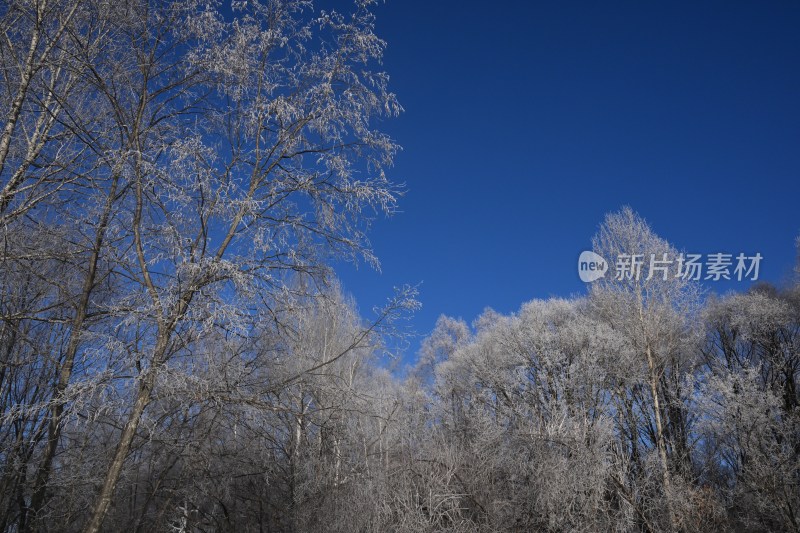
660	441
143	396
65	373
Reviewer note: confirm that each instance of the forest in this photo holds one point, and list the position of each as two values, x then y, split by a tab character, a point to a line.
177	180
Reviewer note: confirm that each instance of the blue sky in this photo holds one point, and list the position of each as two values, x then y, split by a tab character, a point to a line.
526	122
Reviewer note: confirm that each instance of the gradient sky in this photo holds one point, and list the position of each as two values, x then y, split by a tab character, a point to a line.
526	122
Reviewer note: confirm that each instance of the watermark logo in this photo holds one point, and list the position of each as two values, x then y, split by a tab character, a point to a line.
591	266
716	267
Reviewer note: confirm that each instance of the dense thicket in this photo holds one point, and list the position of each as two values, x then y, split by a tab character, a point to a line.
643	406
176	355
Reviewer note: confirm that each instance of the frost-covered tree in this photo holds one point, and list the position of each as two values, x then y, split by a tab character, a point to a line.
750	404
193	158
249	152
655	309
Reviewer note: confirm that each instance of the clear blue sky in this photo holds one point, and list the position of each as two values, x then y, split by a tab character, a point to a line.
525	122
